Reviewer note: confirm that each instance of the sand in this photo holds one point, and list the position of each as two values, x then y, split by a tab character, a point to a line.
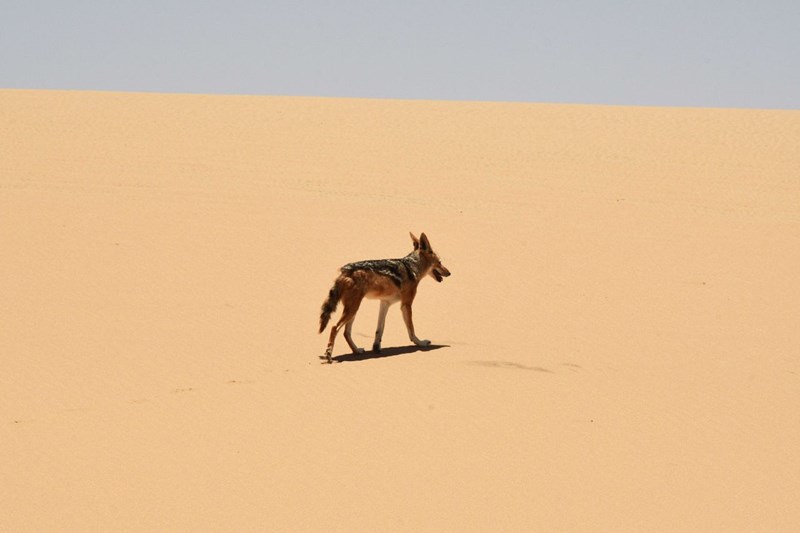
617	349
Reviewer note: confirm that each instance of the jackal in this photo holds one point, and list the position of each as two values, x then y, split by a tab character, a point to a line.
387	280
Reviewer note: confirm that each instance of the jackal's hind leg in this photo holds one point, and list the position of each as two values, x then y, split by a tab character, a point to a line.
331	340
351	305
347	329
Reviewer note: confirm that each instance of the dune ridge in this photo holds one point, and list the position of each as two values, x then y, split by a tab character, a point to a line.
617	348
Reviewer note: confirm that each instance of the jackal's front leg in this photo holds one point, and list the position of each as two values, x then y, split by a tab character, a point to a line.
376	346
422	343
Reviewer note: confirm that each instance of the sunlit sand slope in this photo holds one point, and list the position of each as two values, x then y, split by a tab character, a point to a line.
618	348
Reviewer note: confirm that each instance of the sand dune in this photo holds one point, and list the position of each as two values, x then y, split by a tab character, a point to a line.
617	349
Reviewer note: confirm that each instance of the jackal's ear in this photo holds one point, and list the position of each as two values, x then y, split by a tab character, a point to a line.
415	240
425	245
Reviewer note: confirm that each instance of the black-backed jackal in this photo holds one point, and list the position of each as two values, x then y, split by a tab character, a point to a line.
387	280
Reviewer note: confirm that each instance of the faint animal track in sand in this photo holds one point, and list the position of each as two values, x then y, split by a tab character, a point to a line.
187	389
572	366
509	364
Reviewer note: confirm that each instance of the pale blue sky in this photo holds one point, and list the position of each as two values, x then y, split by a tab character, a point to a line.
712	53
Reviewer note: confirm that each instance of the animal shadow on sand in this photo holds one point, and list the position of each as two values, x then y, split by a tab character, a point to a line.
385	352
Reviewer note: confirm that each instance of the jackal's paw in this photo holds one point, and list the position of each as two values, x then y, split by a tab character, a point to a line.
359	351
376	348
424	343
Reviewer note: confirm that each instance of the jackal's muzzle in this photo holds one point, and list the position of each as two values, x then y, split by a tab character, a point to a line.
440	272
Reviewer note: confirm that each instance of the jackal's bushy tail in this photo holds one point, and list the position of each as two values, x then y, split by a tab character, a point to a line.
329	306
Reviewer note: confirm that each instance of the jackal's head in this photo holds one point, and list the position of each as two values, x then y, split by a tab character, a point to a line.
430	262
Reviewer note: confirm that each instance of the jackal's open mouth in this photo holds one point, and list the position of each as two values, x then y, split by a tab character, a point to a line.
437	276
